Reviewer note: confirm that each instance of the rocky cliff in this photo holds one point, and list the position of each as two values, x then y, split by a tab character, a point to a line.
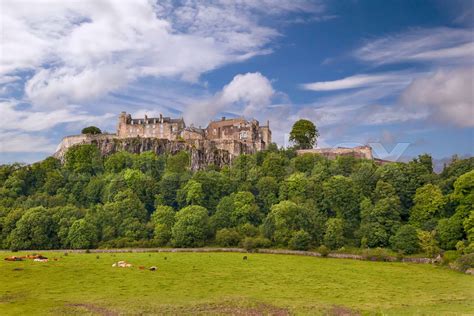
202	152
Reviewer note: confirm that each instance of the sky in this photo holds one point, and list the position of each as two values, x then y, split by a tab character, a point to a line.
397	75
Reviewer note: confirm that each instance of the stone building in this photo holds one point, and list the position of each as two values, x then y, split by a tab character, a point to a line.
227	132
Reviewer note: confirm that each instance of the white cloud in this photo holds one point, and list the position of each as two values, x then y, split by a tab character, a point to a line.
357	81
446	94
247	94
12	119
440	45
15	142
81	50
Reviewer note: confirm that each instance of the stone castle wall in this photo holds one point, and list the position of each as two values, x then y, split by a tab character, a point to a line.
362	152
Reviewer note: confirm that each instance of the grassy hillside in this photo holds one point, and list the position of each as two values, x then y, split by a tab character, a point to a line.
216	283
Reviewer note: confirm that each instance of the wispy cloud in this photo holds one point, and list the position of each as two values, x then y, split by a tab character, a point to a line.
438	45
358	81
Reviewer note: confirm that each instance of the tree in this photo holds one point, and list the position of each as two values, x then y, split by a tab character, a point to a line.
304	134
405	240
300	240
35	230
118	161
227	237
82	235
449	231
342	198
91	130
163	220
83	159
191	228
429	201
274	165
334	235
428	242
267	188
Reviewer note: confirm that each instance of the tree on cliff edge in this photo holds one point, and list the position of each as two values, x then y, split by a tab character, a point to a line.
91	130
304	134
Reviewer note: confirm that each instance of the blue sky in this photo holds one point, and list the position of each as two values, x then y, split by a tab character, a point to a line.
394	74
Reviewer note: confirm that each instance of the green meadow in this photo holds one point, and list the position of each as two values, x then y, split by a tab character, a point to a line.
224	283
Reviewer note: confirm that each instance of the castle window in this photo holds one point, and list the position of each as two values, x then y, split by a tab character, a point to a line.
243	135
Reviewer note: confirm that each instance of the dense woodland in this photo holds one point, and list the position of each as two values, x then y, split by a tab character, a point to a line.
273	198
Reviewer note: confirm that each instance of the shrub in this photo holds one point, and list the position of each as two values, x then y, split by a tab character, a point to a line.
377	254
405	240
450	256
323	250
464	262
252	243
227	237
300	240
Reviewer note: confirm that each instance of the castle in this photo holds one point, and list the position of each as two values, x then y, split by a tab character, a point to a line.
225	132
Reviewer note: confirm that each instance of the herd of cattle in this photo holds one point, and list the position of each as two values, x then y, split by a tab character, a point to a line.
37	258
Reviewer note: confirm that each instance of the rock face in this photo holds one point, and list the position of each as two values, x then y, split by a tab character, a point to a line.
203	152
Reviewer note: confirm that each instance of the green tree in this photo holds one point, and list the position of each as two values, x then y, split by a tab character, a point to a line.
83	159
342	198
405	240
191	228
35	230
300	240
449	231
304	134
274	165
429	202
227	237
118	161
334	235
163	220
267	188
82	235
91	130
178	163
428	243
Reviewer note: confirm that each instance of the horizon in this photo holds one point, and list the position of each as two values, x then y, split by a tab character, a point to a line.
391	73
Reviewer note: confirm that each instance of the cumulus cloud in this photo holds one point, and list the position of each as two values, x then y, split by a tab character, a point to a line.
446	94
246	94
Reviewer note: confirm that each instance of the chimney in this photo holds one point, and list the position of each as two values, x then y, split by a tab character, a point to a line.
223	118
161	118
268	123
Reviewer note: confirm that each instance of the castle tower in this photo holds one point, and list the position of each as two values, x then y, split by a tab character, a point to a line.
122	125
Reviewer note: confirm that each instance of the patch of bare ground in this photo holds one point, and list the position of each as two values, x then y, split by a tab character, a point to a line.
341	311
258	309
90	308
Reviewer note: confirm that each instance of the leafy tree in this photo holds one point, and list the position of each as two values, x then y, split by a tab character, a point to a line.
191	194
91	130
274	165
295	188
449	231
334	235
83	159
304	134
405	240
191	228
342	198
227	237
304	163
286	217
118	161
429	201
300	240
178	163
267	188
163	220
35	230
428	242
82	235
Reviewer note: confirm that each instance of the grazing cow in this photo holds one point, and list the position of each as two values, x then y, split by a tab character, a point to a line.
153	268
244	258
13	258
141	267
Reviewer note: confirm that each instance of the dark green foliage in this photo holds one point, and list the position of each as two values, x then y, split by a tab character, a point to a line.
273	198
304	134
405	240
91	130
227	237
464	262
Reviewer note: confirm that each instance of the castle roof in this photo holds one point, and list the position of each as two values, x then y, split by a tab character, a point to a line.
150	120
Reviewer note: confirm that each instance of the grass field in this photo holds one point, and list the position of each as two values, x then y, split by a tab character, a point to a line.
224	283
